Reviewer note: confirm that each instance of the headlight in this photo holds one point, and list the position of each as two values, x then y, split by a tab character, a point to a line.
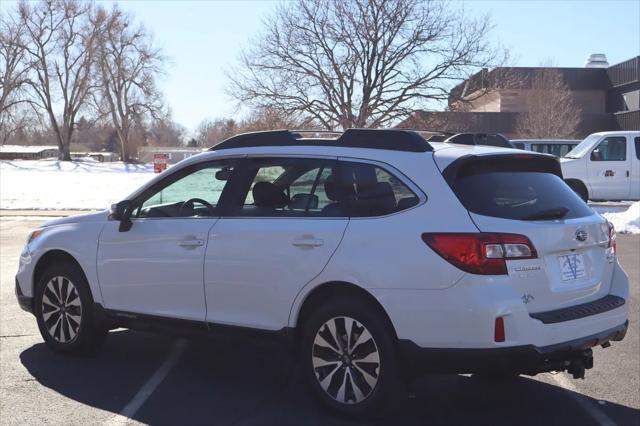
35	234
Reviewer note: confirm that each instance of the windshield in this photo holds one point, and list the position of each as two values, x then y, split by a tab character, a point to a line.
583	147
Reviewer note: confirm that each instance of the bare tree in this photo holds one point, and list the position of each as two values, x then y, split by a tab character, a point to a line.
360	63
13	67
15	121
128	65
551	109
60	48
212	132
165	132
13	78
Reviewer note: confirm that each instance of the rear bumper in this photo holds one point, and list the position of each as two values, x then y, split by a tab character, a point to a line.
525	359
25	302
463	315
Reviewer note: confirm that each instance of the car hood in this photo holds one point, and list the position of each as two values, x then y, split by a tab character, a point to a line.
572	167
564	160
90	217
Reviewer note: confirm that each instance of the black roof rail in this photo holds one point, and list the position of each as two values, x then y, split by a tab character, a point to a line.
391	139
266	138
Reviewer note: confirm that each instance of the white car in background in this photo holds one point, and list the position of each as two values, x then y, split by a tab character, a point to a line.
605	166
557	147
379	254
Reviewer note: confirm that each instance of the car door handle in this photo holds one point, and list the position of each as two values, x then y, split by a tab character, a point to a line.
191	243
308	242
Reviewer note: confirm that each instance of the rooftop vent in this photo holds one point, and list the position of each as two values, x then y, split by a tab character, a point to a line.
597	60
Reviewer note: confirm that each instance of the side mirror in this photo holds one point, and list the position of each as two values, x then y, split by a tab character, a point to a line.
122	212
595	155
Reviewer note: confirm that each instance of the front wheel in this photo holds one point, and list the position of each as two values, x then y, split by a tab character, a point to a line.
64	311
579	188
349	358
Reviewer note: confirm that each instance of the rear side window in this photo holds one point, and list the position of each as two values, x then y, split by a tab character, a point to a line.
517	191
637	142
559	150
368	190
284	187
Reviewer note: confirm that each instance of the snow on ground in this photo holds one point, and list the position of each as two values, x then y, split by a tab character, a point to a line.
91	185
65	185
40	219
626	221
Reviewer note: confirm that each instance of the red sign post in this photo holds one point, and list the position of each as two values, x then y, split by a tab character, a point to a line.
159	162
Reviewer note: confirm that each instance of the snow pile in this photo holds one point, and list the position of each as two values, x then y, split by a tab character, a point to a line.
65	185
626	222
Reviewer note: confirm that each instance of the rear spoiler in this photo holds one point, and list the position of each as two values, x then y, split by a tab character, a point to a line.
502	162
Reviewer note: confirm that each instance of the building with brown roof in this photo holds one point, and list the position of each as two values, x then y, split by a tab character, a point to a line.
608	98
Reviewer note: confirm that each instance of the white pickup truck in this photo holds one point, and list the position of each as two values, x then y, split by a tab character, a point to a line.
605	166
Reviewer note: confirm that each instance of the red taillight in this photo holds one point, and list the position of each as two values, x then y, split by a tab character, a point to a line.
480	253
498	333
612	237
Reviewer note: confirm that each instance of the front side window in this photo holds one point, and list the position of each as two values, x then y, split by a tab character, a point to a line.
195	192
637	143
611	149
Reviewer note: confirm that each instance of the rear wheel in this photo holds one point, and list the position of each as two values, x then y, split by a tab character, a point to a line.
349	358
64	311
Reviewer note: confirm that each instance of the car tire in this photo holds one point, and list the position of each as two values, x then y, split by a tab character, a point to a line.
64	310
356	376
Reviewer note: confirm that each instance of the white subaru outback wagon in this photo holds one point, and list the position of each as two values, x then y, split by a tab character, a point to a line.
378	253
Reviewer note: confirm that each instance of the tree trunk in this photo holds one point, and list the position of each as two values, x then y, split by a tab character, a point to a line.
64	153
125	152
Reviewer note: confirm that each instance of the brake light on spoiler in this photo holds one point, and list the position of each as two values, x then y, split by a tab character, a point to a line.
480	253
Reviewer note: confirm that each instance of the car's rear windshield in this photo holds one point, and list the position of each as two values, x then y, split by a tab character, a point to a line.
518	192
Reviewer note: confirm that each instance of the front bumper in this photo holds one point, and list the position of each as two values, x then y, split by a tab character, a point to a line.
25	302
525	359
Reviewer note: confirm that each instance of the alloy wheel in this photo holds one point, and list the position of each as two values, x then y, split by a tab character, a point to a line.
61	309
346	360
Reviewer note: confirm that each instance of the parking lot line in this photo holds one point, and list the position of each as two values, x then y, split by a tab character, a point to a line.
597	414
149	387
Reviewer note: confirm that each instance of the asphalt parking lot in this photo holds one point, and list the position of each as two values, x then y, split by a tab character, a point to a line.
156	379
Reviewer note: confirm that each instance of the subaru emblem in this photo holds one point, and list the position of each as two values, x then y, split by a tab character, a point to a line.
581	235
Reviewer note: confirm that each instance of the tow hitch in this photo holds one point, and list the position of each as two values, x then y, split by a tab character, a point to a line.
582	361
